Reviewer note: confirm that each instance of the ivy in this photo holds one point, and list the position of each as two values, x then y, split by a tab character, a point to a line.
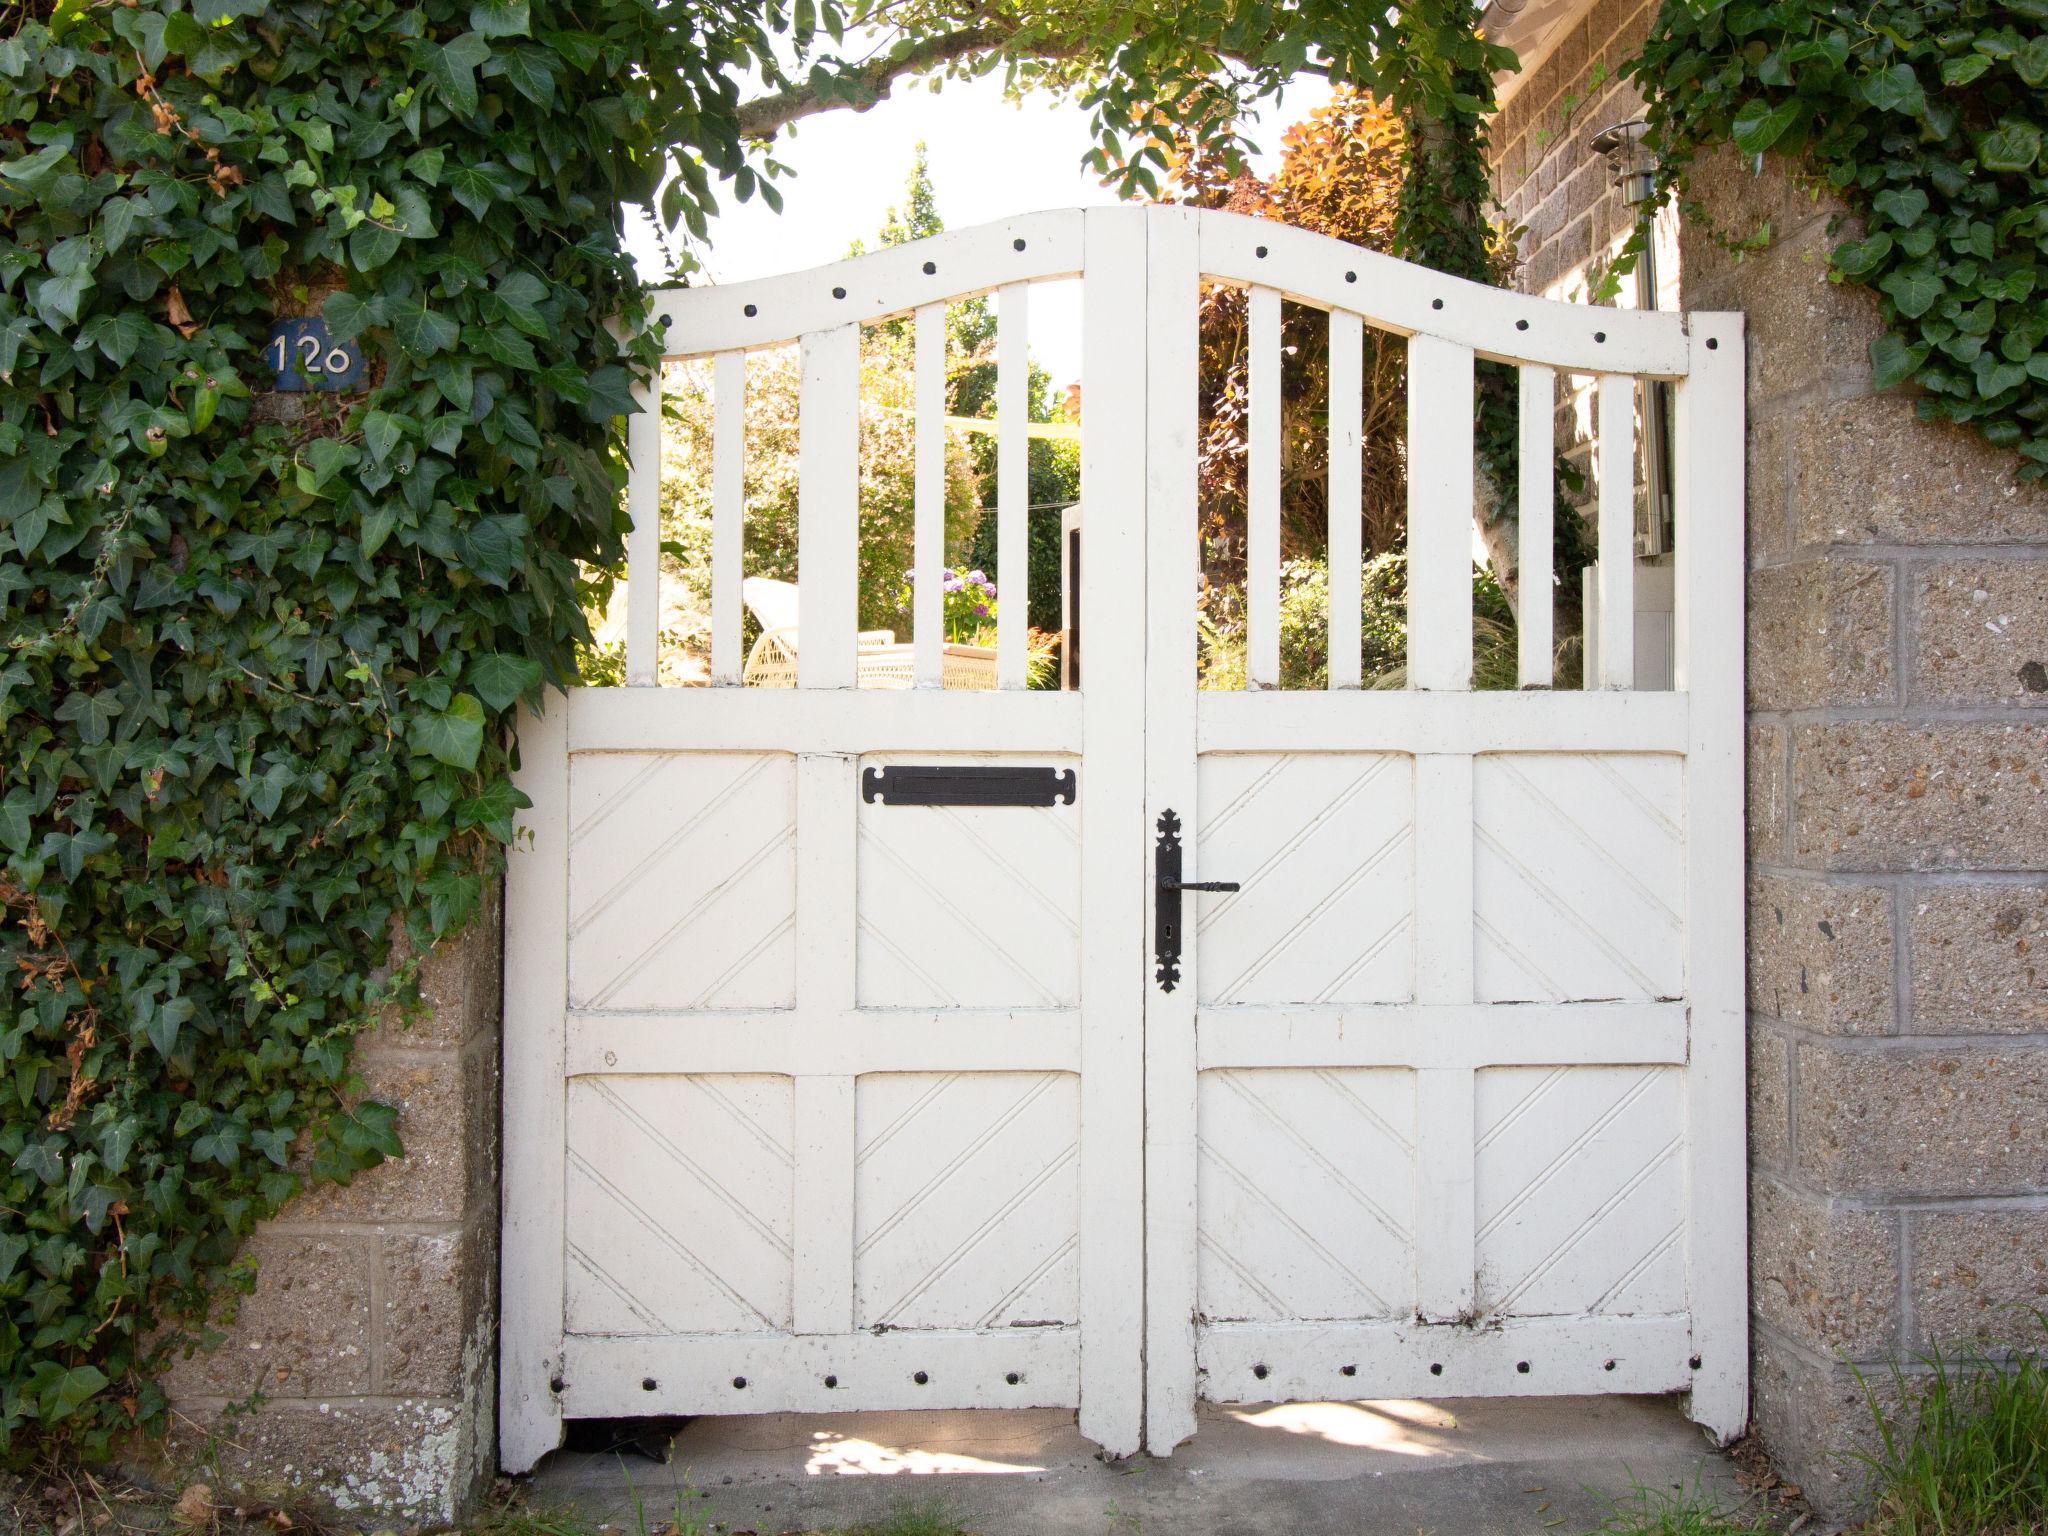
256	658
1927	118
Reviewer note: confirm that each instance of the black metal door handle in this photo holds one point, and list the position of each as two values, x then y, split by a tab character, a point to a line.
1166	855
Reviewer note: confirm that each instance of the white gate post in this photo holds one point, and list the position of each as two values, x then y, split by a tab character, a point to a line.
1173	571
1709	513
1112	908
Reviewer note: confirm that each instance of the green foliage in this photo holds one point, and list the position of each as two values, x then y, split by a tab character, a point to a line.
1966	1448
1383	629
255	662
1927	118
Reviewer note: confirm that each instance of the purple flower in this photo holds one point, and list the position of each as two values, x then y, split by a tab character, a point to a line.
981	610
977	578
954	585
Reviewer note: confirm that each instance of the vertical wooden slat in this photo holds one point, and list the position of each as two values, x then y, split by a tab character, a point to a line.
536	1003
1708	540
828	507
1617	451
1536	497
1440	409
643	542
1113	974
928	597
1347	382
1013	480
1171	561
826	830
1446	1219
1262	494
728	511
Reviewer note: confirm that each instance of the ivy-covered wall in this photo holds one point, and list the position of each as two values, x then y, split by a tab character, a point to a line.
255	664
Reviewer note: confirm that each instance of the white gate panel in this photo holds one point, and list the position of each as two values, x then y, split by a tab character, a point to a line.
816	1100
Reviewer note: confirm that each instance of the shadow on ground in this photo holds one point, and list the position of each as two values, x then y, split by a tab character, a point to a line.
1451	1468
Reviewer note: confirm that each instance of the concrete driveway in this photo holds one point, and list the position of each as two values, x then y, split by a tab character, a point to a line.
1452	1468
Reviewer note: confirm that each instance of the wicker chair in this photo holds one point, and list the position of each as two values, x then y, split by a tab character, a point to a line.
880	662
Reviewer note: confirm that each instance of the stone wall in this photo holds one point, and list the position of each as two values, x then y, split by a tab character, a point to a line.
361	1372
1898	819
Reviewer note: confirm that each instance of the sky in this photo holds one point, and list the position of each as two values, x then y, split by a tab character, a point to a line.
990	158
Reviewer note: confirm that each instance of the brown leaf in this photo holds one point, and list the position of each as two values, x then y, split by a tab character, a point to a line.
177	314
195	1504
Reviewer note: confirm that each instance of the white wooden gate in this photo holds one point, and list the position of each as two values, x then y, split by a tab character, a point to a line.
815	1100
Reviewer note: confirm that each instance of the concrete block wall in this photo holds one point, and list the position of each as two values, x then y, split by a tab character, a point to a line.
361	1372
1898	767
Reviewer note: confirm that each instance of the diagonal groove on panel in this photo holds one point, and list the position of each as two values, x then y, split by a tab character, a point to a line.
1308	829
992	1222
1571	1239
1299	927
938	898
1657	1250
1236	1266
1058	912
1592	844
667	1238
1635	796
1571	1149
1258	1196
1286	1127
649	1320
1546	893
1009	1297
703	1176
903	958
1370	1115
709	991
1040	1085
618	886
705	901
769	1143
623	795
1521	1107
910	1112
1517	957
1366	957
1214	822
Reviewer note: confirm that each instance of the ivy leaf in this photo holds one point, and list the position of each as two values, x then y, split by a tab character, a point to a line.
1913	289
165	1023
348	316
2031	62
499	679
499	18
1896	89
117	335
1965	69
381	432
1856	257
471	187
1758	125
452	66
1893	361
72	1391
454	736
1902	205
2012	146
422	332
372	244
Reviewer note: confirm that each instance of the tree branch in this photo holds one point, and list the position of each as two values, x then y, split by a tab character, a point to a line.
859	89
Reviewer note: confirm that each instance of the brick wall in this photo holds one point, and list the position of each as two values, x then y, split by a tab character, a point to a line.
1547	180
361	1372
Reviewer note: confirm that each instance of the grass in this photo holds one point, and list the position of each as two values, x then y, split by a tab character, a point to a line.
1680	1512
1967	1453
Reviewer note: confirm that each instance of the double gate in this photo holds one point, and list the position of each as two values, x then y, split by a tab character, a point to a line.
1246	1046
